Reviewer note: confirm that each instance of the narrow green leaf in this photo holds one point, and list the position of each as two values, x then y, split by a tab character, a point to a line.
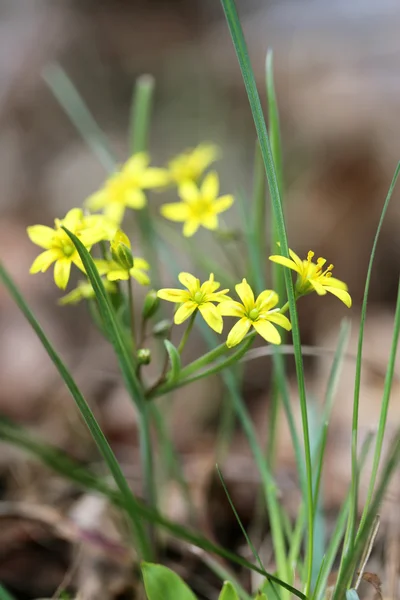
141	113
384	408
4	594
228	592
175	362
273	120
82	476
76	109
351	526
125	361
94	428
163	584
254	100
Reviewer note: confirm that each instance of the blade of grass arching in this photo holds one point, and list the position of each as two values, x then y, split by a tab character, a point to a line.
139	128
76	109
4	594
339	530
273	121
351	525
242	528
83	477
258	225
94	428
254	100
126	364
349	564
384	409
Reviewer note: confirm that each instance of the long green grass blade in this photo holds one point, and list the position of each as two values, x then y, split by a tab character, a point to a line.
126	364
384	409
351	526
79	114
4	594
94	428
254	100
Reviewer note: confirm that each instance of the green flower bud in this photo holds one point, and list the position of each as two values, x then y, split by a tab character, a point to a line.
122	255
150	305
161	329
143	356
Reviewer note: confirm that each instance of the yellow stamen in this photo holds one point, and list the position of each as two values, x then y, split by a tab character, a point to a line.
310	256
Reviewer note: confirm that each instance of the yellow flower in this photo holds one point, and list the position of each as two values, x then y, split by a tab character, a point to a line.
199	206
190	165
313	278
195	297
84	291
123	265
59	248
259	313
124	189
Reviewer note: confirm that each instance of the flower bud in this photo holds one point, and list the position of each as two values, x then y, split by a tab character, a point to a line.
121	251
150	305
161	329
143	356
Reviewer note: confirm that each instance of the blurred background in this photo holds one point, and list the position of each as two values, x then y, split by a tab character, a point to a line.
337	68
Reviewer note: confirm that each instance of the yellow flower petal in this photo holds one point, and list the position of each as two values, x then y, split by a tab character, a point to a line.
115	211
267	331
153	178
341	294
320	289
189	192
175	211
97	200
190	228
210	222
41	235
223	203
140	276
44	260
135	198
211	316
172	295
117	275
333	282
184	312
296	259
210	186
238	332
141	263
62	270
136	164
286	262
246	295
279	319
267	300
72	219
231	309
190	282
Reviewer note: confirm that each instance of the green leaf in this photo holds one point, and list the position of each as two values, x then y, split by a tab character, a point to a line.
4	594
261	596
256	109
163	584
175	362
228	592
129	500
125	360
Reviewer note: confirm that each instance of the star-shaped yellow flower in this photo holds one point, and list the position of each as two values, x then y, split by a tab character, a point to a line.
312	277
190	165
196	297
199	206
59	248
259	313
124	189
85	291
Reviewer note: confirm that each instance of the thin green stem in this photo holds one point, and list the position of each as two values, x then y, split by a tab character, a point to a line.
187	332
132	315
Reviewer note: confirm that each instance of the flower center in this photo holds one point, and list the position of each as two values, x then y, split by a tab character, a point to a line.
198	297
68	249
201	208
253	314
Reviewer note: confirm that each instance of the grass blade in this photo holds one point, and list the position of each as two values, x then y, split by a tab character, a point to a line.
351	526
79	114
125	361
384	408
94	428
254	100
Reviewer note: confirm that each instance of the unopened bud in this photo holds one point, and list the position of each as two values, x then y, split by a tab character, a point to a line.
143	356
150	305
161	329
121	250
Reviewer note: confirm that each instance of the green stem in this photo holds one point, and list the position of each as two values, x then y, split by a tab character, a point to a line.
187	331
132	315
